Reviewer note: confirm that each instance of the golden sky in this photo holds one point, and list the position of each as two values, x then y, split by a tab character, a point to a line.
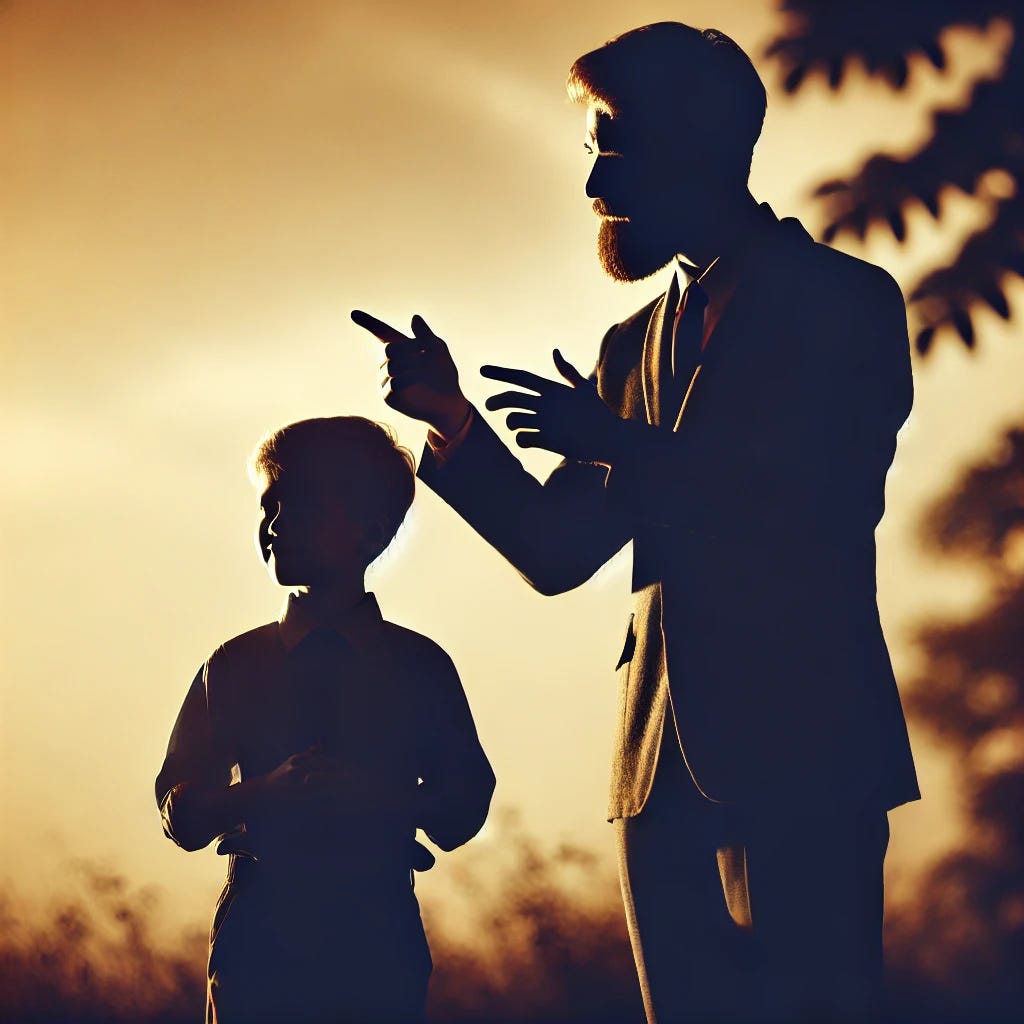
193	196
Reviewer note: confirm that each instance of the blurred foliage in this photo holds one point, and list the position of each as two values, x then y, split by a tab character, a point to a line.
978	149
550	944
962	939
546	944
96	956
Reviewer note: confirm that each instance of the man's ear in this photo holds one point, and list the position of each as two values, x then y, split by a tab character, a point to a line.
373	543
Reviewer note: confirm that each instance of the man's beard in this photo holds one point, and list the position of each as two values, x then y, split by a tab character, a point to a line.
629	251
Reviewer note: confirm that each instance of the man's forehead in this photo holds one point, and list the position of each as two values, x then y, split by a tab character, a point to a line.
615	131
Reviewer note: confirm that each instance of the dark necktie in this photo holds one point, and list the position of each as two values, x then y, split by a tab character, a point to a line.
682	358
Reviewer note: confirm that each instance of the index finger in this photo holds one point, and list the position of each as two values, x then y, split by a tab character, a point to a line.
384	332
519	378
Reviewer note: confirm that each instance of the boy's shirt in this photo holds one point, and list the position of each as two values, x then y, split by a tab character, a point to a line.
384	700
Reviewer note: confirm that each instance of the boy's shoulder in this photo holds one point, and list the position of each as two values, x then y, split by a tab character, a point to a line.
416	648
256	643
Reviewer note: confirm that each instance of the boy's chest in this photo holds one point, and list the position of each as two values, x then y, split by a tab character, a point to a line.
355	707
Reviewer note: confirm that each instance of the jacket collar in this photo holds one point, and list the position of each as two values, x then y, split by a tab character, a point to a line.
719	281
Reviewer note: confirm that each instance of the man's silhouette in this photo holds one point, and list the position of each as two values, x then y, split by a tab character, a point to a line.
738	430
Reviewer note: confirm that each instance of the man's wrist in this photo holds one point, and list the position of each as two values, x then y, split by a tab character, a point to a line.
449	423
618	440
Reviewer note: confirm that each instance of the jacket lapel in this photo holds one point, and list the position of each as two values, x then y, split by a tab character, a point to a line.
659	335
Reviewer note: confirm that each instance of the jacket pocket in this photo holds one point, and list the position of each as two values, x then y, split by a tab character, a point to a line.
628	645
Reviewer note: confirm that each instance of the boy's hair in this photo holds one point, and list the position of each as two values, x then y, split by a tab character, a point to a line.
669	69
345	454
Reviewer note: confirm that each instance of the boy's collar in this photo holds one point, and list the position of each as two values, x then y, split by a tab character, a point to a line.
358	623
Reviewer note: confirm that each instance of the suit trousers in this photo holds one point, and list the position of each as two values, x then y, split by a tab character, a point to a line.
754	913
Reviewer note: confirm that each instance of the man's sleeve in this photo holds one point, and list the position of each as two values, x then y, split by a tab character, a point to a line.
443	449
557	534
191	761
457	777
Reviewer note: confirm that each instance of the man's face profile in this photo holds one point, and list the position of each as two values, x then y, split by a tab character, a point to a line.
644	183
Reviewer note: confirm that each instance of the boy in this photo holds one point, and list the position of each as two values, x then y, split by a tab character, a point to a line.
316	745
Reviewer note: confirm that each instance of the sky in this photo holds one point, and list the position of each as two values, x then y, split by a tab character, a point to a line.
193	197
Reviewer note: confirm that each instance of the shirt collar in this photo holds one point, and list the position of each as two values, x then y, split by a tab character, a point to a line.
719	278
360	624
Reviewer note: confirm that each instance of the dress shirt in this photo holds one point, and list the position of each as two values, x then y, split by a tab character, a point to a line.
387	702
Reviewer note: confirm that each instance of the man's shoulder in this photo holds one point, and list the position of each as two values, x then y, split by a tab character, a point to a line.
792	254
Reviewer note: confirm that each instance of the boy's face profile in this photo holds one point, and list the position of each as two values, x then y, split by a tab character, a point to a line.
306	533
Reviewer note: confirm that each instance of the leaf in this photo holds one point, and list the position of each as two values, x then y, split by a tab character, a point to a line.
923	341
964	327
835	72
994	296
934	52
897	71
897	224
859	218
792	81
829	187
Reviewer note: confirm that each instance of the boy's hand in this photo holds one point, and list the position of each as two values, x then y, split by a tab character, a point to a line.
296	777
314	776
421	379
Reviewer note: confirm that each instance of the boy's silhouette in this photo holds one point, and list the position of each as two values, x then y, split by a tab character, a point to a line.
342	734
737	429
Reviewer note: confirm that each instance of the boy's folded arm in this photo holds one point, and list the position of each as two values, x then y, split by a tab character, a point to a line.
196	813
193	790
457	779
452	809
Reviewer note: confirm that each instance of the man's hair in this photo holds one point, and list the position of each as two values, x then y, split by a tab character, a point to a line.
667	69
348	454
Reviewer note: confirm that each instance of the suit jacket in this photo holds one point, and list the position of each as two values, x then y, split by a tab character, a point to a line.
755	617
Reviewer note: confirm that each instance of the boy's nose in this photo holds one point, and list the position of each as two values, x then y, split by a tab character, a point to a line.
274	520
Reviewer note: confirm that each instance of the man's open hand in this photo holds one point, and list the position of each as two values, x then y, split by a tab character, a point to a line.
420	377
569	419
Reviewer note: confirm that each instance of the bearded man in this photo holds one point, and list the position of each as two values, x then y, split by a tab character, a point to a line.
738	430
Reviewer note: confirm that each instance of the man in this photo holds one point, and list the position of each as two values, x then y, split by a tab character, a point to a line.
738	430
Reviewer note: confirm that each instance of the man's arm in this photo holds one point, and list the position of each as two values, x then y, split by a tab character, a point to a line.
557	534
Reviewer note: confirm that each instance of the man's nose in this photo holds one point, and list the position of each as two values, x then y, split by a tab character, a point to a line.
599	182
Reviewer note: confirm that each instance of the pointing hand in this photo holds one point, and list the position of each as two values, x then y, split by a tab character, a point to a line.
421	379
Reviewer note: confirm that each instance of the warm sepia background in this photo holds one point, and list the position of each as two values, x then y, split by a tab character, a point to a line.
193	197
